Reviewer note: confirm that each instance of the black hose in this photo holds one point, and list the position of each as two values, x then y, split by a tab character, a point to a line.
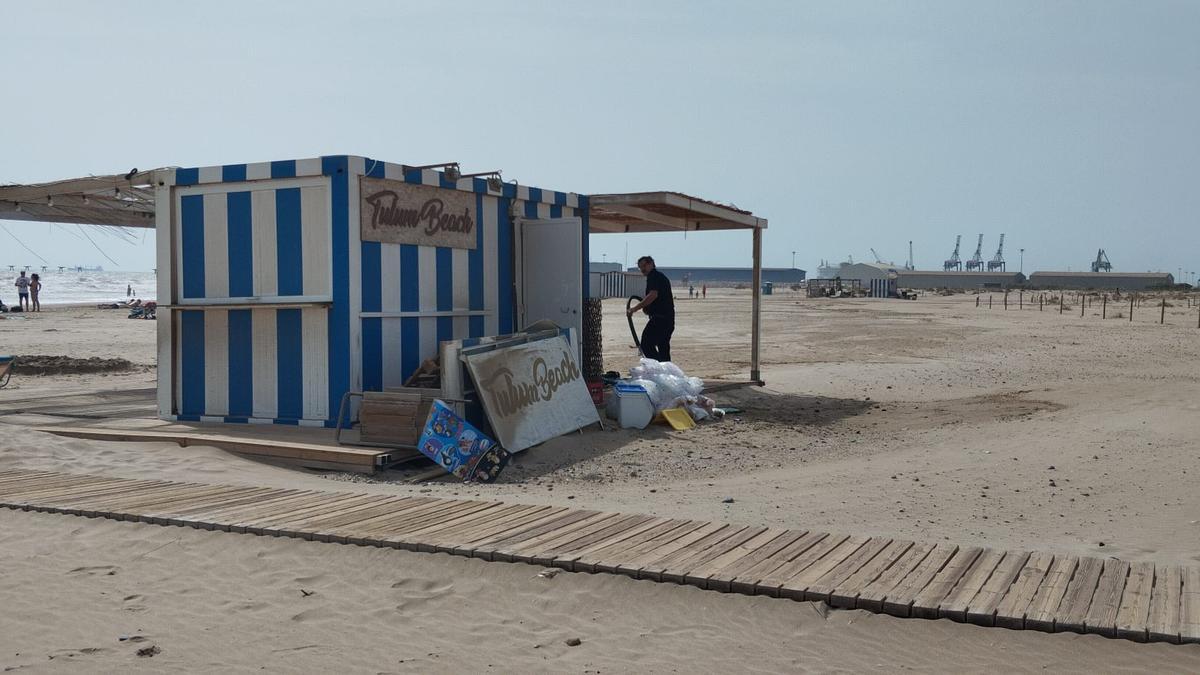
633	331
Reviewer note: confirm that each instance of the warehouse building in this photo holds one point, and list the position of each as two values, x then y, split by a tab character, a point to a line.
932	279
1125	281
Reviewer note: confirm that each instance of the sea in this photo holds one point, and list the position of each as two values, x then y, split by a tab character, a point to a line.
74	286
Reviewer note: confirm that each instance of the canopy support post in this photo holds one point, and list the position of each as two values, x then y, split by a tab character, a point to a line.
756	309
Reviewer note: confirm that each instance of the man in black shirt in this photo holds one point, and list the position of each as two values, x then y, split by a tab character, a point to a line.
659	305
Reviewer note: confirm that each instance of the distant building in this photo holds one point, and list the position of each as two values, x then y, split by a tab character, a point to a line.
864	273
729	275
1125	281
604	267
931	279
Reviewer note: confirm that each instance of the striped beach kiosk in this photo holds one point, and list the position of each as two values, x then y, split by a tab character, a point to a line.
280	305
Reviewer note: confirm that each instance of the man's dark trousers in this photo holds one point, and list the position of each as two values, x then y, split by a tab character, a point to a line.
656	338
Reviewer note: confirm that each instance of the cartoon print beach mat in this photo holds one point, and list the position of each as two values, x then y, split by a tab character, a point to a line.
459	448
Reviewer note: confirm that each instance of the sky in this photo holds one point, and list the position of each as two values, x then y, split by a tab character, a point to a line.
1068	126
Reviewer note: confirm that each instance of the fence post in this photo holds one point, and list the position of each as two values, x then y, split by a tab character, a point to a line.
1062	300
1131	299
1083	305
1104	307
989	301
1162	317
977	301
1041	302
1021	299
1006	301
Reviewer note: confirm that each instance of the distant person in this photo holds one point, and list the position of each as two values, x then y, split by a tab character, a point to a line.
129	290
704	291
691	291
659	305
35	287
23	291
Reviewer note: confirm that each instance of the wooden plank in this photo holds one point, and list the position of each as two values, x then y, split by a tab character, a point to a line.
66	486
481	544
507	517
1011	611
796	585
412	532
547	552
1078	598
954	605
568	559
827	583
1134	613
926	600
362	459
748	581
871	596
1189	608
396	530
700	575
771	582
1040	615
185	495
565	555
299	522
304	504
20	480
465	545
846	593
666	560
486	547
722	579
732	548
108	502
982	609
1101	617
688	535
623	550
823	585
508	548
206	517
1163	624
190	514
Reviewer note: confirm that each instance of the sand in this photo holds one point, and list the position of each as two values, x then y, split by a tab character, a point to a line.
929	420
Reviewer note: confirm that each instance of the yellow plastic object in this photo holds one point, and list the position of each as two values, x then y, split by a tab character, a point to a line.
678	418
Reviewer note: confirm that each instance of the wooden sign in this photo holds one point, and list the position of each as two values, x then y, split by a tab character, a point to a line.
396	212
532	392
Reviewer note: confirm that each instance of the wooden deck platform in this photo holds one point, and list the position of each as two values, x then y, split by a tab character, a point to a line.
1015	589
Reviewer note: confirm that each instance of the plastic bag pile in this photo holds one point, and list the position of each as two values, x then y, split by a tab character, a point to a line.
669	387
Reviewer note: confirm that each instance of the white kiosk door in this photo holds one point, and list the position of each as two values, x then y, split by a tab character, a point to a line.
551	273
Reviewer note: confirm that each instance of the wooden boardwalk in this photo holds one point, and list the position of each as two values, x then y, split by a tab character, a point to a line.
1014	589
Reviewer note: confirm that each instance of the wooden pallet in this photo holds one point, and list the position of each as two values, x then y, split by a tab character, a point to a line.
1138	601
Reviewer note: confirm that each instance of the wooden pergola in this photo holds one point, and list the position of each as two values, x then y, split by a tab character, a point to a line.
123	200
638	212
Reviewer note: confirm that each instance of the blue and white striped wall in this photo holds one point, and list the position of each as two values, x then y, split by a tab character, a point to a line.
280	308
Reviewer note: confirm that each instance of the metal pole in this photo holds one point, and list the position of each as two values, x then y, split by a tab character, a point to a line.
756	307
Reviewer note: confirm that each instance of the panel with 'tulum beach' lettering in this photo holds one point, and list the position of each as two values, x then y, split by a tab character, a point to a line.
396	212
